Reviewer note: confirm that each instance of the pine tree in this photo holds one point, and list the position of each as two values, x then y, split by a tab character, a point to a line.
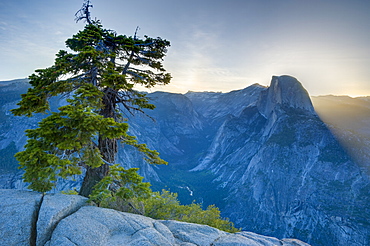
98	78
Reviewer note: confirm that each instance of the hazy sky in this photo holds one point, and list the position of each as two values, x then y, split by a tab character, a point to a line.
215	45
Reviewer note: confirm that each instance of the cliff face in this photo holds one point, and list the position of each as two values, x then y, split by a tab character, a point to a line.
29	218
262	155
284	91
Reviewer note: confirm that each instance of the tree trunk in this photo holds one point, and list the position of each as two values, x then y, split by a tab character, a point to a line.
92	177
107	147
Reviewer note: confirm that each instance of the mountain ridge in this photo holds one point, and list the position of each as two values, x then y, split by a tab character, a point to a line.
259	153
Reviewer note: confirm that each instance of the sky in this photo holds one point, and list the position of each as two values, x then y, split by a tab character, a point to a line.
215	45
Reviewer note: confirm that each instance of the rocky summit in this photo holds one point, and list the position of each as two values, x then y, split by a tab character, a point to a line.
30	218
263	155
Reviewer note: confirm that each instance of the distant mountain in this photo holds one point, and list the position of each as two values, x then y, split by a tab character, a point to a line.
261	154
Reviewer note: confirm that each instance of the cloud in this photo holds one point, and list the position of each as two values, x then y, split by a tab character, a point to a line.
3	25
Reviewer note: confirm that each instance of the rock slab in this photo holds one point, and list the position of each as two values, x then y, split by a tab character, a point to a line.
30	218
18	217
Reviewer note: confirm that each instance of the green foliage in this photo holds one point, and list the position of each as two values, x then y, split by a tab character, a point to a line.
158	205
97	77
120	183
165	205
64	139
70	192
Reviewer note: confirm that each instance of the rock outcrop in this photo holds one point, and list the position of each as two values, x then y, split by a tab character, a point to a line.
29	218
284	91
